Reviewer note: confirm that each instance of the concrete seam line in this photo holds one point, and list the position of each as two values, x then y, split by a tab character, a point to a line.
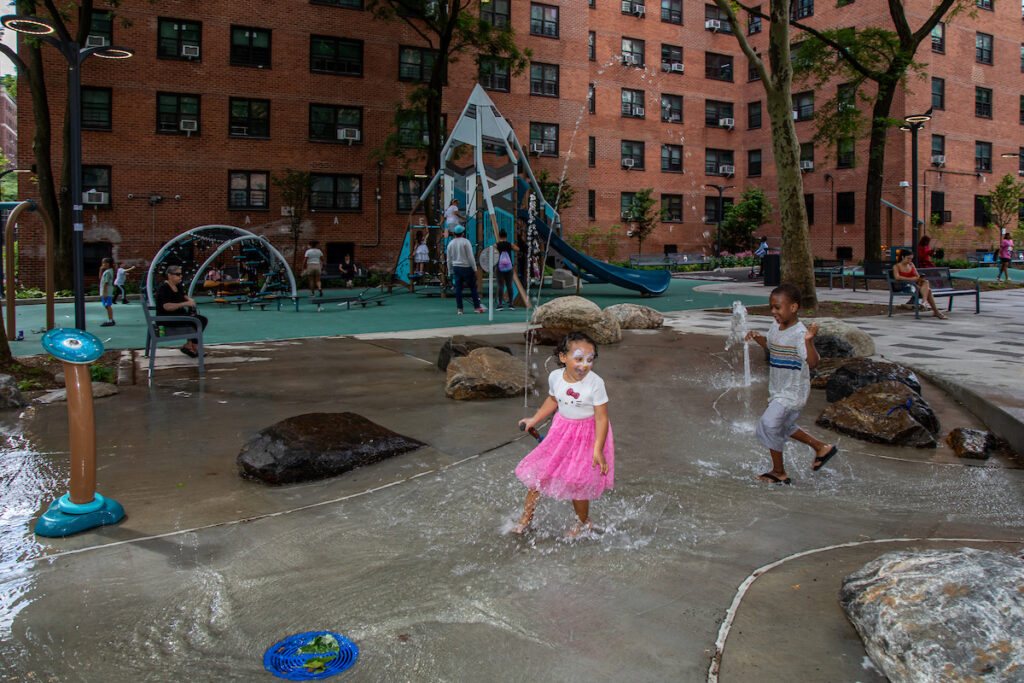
730	614
279	513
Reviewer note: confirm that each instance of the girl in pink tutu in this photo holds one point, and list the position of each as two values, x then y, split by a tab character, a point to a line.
576	460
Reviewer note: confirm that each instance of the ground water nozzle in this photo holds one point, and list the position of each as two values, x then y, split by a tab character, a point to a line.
81	508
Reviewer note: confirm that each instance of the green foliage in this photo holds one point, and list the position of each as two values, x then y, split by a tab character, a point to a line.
743	219
296	187
1003	206
550	189
29	384
10	83
102	373
643	215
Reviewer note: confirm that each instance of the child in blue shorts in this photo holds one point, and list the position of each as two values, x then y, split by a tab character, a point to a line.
107	290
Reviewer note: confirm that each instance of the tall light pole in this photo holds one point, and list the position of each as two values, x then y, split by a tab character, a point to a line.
831	209
914	123
718	225
43	29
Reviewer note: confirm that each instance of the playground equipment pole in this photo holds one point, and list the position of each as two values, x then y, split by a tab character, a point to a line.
16	209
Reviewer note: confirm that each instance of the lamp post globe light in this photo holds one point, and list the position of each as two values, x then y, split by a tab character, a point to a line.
43	29
914	123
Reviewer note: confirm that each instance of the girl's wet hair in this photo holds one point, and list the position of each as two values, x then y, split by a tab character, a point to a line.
571	338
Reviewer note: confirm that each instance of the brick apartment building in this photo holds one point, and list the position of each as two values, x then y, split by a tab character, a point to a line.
9	127
222	95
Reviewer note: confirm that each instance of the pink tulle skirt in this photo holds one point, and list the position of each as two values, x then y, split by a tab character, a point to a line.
562	465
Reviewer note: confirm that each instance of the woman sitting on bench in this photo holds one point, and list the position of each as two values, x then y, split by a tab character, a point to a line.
907	271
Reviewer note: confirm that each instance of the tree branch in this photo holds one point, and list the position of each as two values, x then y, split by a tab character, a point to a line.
13	56
734	24
62	29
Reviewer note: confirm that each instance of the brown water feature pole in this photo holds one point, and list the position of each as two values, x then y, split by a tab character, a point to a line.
81	421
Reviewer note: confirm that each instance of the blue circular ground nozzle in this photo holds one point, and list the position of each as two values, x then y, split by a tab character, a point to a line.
285	660
72	345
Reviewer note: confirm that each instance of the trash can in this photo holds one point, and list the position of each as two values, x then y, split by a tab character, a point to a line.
771	266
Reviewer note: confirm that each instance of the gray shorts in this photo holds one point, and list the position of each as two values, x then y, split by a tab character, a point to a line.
776	425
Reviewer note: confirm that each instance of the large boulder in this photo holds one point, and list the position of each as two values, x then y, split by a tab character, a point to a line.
940	615
10	395
828	346
317	446
885	412
862	343
99	390
861	372
971	443
824	369
458	346
485	373
577	313
636	317
544	336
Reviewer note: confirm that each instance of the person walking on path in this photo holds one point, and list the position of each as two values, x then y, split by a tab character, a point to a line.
1005	256
576	460
791	352
462	268
506	266
119	282
107	290
313	266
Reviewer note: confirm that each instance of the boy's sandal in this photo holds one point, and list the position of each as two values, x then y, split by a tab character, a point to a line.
819	461
769	477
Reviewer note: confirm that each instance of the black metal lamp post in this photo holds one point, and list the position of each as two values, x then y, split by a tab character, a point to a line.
718	224
74	55
914	123
831	209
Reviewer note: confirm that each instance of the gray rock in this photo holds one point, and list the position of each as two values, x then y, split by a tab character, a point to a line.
832	347
485	373
577	313
940	615
884	412
99	390
458	346
862	343
562	279
10	395
824	370
861	372
636	317
971	443
317	446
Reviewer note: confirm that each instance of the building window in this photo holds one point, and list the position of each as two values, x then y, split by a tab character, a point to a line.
544	80
177	113
330	122
672	208
409	191
495	73
938	93
845	97
336	193
845	209
250	46
1022	52
844	153
983	102
715	112
636	8
985	4
939	38
349	4
983	157
754	114
809	208
1022	110
672	108
633	52
671	58
800	9
415	64
102	27
803	106
633	103
413	130
983	48
715	159
672	158
626	205
335	56
248	118
807	156
753	23
591	151
717	67
96	179
544	136
247	189
543	20
592	99
938	145
96	107
672	11
713	14
753	163
496	13
178	39
982	217
938	207
591	205
592	46
633	154
1020	161
752	73
715	208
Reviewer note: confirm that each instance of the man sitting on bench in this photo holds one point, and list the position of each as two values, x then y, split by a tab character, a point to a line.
906	270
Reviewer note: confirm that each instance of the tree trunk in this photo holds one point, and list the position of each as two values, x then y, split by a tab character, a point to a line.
876	169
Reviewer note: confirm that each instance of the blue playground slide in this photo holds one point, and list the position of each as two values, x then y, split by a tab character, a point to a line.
651	282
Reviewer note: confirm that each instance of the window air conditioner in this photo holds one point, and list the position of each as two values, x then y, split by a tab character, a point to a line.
537	148
348	134
93	40
638	111
796	115
189	50
713	25
628	163
939	159
726	169
666	66
287	210
639	10
678	67
188	125
239	130
95	197
727	123
806	165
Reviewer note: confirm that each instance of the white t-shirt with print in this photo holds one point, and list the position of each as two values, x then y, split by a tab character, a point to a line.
313	257
576	400
451	215
789	379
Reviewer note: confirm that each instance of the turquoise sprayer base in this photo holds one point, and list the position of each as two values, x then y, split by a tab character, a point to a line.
55	522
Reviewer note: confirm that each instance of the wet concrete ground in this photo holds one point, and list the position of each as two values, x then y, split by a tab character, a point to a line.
409	557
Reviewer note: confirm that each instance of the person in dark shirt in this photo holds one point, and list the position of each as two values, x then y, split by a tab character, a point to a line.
172	300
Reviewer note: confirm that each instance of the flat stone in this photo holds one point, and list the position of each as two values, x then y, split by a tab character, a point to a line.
824	370
971	443
458	346
99	390
562	279
940	615
636	317
486	373
861	372
317	446
832	347
577	313
884	412
862	343
10	395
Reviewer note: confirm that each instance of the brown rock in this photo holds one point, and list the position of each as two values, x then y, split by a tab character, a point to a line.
545	335
860	372
636	317
485	373
460	346
971	443
577	313
885	412
824	370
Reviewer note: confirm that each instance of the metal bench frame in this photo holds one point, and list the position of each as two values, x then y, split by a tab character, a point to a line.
154	321
941	282
832	269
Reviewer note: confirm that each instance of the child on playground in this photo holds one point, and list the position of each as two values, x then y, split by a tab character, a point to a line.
107	290
1005	256
421	256
504	249
791	352
576	460
120	280
313	264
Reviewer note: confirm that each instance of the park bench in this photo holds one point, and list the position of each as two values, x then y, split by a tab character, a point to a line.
689	258
153	324
347	300
941	282
977	257
649	260
832	269
871	270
